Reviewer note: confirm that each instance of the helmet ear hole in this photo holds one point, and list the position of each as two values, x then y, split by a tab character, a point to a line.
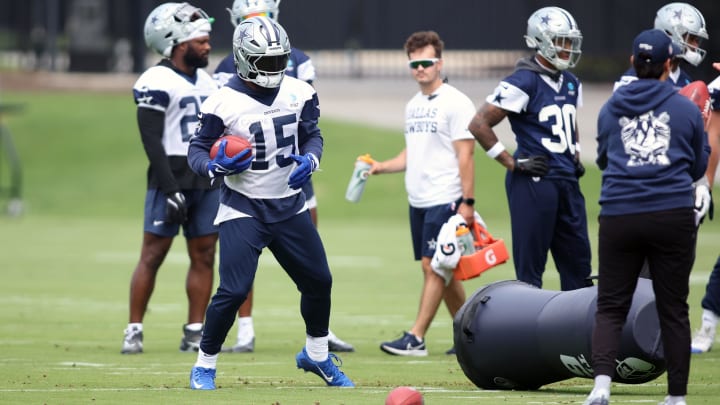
531	42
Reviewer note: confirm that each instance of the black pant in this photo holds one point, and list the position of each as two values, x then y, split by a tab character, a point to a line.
667	239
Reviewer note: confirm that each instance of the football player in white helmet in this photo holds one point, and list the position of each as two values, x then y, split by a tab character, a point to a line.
168	97
540	99
555	35
261	203
299	66
685	25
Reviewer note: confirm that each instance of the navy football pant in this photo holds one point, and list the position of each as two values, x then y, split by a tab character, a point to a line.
296	245
548	215
666	239
711	300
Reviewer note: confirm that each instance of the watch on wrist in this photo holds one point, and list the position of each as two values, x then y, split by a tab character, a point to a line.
469	201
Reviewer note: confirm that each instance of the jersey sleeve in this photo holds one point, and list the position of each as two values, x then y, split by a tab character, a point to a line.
151	90
509	97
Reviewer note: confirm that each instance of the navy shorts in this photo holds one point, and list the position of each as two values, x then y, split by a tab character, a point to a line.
425	224
202	208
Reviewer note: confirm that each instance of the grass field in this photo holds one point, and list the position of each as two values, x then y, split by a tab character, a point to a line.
66	265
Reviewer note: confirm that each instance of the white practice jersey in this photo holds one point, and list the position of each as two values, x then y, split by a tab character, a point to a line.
179	97
272	129
432	123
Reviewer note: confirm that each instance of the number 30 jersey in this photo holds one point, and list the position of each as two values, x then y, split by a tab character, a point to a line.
542	114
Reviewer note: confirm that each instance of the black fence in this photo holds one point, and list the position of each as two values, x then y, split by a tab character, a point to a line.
106	35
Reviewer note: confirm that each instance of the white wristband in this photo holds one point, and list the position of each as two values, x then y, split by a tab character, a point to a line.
496	150
577	147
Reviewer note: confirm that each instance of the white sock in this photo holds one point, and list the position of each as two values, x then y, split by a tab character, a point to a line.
135	326
194	327
245	332
206	360
602	382
317	348
673	399
709	318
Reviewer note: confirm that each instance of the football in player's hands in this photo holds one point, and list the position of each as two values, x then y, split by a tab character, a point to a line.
698	93
234	145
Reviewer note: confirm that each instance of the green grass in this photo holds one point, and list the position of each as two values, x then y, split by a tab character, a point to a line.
66	266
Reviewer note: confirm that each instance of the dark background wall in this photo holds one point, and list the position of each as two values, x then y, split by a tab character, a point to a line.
91	28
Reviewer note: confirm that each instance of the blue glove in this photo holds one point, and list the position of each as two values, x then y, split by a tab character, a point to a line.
226	166
306	165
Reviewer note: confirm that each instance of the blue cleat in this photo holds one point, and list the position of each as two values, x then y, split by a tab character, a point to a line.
327	370
202	378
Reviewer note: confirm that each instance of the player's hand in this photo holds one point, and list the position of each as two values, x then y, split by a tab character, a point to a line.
579	169
223	165
306	165
175	208
703	203
535	166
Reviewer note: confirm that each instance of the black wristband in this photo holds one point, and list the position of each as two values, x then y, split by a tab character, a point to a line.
468	201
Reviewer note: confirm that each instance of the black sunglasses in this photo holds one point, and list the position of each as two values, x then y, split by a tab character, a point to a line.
425	63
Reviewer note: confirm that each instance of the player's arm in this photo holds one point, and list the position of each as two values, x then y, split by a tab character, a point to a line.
310	138
152	124
713	132
481	127
464	149
209	129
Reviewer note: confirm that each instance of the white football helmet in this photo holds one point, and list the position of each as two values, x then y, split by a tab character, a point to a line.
680	20
172	23
552	30
261	49
242	9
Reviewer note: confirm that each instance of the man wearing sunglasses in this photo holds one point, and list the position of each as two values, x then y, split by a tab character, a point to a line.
540	98
439	178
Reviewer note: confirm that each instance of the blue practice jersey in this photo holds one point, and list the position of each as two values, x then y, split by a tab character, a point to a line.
678	78
542	114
